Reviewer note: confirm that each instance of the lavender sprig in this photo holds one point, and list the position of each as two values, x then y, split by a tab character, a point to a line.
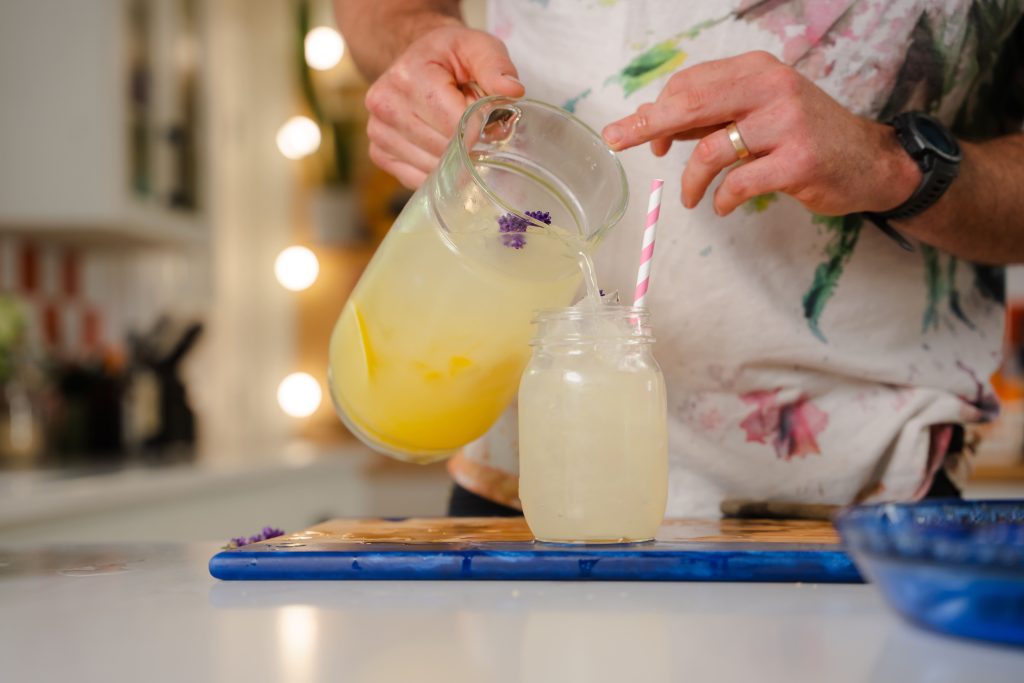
264	534
542	216
514	226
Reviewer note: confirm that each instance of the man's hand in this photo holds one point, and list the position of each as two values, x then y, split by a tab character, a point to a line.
802	142
416	103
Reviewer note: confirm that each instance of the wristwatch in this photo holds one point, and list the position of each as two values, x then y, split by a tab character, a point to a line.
938	155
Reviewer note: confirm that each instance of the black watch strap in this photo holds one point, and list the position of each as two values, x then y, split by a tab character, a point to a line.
936	153
934	183
889	231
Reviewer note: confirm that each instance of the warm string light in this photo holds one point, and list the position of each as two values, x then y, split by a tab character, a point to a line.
298	137
299	394
324	48
296	268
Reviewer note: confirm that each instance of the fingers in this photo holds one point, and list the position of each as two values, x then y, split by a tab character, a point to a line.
400	146
712	154
709	105
425	106
485	60
412	118
748	63
437	100
760	176
415	106
806	144
660	146
426	136
761	133
649	122
409	176
710	94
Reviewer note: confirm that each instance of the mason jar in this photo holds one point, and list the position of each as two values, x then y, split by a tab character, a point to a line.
593	439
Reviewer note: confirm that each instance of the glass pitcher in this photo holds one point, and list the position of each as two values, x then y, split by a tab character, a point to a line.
430	347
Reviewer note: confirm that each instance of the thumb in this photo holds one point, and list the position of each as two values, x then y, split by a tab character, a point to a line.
487	62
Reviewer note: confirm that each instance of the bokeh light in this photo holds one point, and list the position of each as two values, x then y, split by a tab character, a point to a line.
324	48
298	137
296	268
299	394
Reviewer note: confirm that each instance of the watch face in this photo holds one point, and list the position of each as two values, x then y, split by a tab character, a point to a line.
937	137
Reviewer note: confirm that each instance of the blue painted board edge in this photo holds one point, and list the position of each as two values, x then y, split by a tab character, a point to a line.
570	564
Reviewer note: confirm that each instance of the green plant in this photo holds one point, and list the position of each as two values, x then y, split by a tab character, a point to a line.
12	332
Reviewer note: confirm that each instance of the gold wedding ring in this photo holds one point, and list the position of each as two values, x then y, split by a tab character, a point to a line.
742	151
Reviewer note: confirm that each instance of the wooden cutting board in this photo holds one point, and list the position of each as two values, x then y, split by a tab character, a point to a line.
503	548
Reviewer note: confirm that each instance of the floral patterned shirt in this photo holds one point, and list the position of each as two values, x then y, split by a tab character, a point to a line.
808	358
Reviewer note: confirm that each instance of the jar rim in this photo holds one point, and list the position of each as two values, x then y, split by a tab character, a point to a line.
602	310
637	333
507	206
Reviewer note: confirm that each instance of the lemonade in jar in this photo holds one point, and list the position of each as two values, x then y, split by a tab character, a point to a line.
430	347
593	435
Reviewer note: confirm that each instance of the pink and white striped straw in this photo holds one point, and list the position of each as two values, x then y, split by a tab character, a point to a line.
643	276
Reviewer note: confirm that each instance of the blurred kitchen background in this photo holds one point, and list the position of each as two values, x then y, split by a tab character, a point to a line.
185	204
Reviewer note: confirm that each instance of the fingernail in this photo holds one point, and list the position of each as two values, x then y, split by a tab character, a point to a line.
512	78
612	134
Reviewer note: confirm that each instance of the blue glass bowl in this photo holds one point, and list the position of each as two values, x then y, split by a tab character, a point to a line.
952	566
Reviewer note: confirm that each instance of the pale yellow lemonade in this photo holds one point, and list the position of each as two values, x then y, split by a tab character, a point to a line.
593	444
430	346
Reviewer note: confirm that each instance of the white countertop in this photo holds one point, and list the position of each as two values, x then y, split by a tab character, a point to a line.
152	613
33	495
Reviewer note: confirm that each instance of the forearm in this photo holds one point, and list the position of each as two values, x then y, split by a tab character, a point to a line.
378	31
981	216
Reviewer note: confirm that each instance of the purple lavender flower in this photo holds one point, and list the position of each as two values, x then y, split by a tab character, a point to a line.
512	223
542	216
514	241
264	534
515	226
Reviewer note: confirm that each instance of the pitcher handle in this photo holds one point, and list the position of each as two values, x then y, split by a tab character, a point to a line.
474	89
